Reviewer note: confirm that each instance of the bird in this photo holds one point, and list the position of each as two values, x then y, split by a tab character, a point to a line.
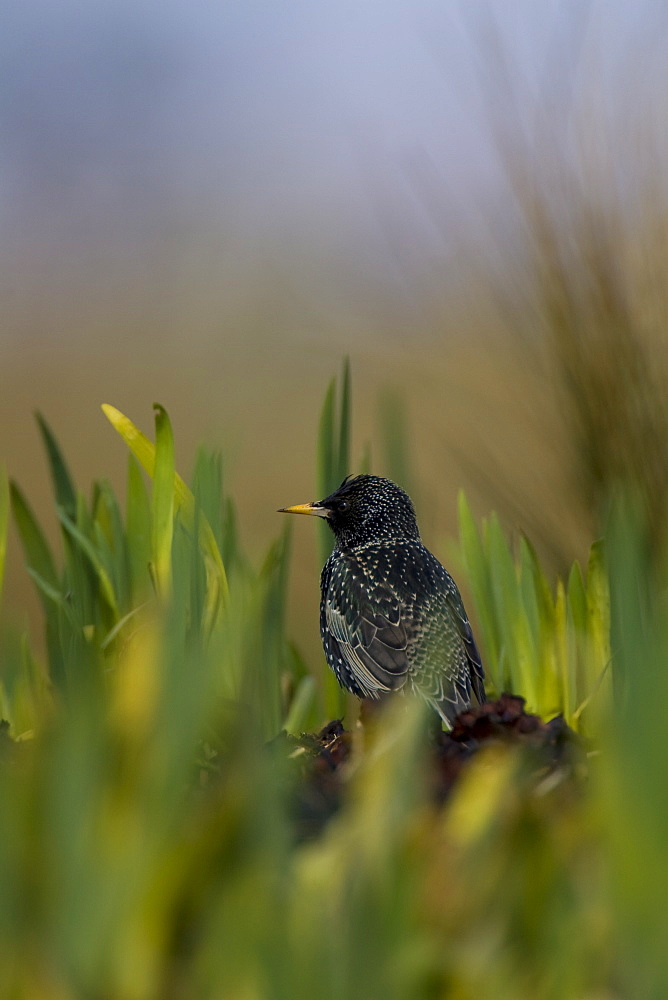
391	616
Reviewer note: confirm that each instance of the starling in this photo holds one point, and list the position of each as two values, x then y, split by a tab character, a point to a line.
390	614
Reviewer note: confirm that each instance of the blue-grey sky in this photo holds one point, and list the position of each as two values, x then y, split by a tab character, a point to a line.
363	122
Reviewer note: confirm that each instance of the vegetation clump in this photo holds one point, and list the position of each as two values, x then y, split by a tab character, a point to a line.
169	831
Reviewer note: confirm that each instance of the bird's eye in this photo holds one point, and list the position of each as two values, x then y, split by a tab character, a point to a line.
342	506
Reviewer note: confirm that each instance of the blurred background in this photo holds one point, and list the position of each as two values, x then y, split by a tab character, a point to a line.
210	205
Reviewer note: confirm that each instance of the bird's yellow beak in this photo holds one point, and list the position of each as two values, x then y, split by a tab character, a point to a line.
306	508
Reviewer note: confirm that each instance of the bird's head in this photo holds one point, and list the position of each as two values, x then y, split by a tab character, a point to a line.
364	509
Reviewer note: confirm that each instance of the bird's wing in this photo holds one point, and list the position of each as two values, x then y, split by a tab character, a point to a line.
364	620
475	667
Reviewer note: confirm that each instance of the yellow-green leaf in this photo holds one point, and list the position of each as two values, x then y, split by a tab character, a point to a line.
144	452
162	507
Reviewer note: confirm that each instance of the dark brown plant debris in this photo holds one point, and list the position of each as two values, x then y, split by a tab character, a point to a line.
504	720
319	789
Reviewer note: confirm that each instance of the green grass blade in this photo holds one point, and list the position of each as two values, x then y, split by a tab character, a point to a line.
528	591
577	598
575	690
79	579
333	451
53	593
511	619
231	550
36	549
541	587
4	521
273	580
138	530
144	452
598	608
563	651
334	695
162	507
62	481
479	579
196	576
112	543
120	625
301	707
207	487
333	447
85	546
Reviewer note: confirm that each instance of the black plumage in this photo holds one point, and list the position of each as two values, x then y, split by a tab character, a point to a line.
390	614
